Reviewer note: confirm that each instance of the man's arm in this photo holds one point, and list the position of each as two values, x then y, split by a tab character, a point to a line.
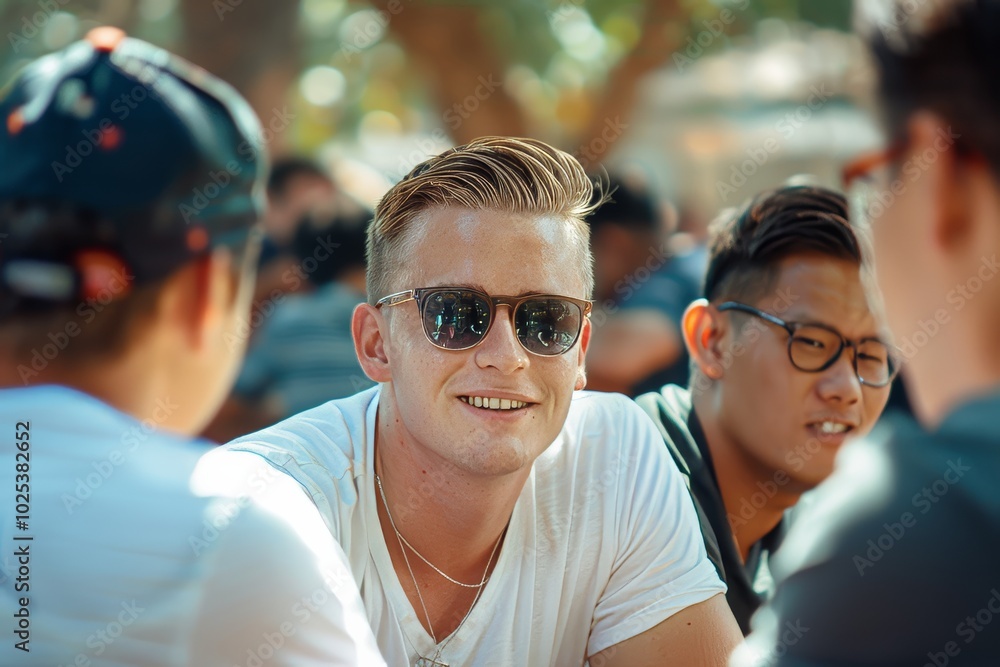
279	588
663	594
703	634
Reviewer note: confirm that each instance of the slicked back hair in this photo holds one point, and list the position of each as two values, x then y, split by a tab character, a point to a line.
747	244
515	176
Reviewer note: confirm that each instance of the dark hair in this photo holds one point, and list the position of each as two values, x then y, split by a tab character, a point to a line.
947	62
283	171
627	206
101	326
347	233
746	245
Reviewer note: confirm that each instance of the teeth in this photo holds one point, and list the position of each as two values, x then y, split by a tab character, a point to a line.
493	403
832	427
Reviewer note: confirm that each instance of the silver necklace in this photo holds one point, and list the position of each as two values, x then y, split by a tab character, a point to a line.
437	653
418	554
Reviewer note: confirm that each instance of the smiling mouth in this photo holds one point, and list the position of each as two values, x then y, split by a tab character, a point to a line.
831	427
493	403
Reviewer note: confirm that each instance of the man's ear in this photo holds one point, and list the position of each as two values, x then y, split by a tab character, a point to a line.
197	298
947	179
581	371
368	330
703	328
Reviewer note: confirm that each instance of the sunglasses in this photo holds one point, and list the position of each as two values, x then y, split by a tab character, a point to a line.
459	318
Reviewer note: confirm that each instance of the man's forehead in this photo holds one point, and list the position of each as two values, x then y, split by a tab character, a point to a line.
469	224
814	288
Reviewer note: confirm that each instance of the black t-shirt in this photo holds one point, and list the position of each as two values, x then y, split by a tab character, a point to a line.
750	583
897	560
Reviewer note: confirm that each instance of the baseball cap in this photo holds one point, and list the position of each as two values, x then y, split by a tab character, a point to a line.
114	151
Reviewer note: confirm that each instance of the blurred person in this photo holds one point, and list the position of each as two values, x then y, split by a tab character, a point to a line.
120	277
303	354
298	189
787	364
896	563
639	295
478	496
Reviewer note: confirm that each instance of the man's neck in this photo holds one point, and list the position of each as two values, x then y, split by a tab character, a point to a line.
754	503
450	516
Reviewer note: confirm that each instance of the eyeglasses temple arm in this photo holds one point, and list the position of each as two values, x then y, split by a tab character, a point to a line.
396	299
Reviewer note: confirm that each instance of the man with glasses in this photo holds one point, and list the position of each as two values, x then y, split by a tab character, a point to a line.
787	363
897	565
492	515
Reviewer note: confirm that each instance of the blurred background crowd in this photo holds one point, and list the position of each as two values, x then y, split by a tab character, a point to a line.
686	107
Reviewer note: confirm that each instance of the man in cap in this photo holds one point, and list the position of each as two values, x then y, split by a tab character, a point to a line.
130	188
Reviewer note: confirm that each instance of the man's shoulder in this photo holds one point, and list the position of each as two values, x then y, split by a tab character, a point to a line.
603	431
594	412
329	439
671	403
899	502
909	520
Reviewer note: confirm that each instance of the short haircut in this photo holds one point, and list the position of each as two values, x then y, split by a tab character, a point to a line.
747	244
102	326
947	61
516	176
629	207
285	170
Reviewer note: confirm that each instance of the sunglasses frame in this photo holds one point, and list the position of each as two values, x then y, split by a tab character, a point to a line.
421	294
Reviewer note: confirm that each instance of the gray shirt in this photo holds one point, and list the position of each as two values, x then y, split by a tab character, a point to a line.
896	562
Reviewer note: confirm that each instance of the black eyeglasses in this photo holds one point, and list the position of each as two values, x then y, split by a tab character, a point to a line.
815	347
459	318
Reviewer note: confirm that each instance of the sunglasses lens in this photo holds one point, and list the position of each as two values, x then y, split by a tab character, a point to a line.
548	326
455	319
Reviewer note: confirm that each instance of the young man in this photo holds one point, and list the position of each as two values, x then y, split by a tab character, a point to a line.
130	188
787	363
490	514
898	563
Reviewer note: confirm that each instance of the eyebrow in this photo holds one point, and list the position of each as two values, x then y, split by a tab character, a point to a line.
809	320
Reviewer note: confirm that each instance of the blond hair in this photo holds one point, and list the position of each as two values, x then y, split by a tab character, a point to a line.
516	176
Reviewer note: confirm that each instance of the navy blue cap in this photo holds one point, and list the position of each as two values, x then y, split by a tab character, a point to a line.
117	146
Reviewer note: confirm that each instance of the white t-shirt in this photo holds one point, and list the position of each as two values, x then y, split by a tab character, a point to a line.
151	549
603	543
